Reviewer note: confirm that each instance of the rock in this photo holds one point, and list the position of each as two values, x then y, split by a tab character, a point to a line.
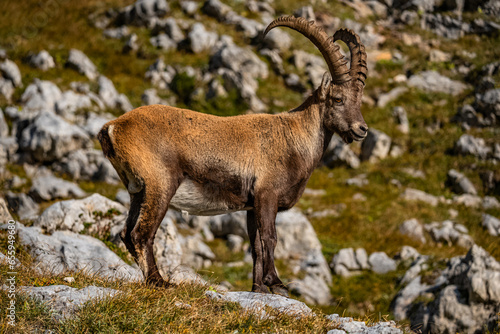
160	75
418	195
162	41
413	229
63	301
237	59
70	102
131	44
117	33
235	243
142	12
279	40
48	138
464	298
11	72
306	12
384	99
488	104
339	154
408	253
381	263
467	117
123	197
200	39
110	96
492	224
42	60
468	144
65	251
48	188
450	233
8	149
78	61
170	27
22	205
403	124
196	253
376	146
233	223
459	183
358	181
217	9
432	81
5	215
4	127
189	7
40	96
91	214
6	88
348	262
438	56
258	302
92	124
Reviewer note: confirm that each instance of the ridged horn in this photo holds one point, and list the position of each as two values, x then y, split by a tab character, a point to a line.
359	69
325	44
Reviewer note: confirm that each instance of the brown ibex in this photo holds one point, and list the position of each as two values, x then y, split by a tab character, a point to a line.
209	165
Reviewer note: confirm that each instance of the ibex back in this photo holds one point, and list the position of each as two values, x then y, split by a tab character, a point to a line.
208	165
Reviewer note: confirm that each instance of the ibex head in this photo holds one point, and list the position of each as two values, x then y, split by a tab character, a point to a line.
341	90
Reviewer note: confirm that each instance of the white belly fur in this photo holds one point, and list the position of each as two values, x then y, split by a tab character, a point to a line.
191	198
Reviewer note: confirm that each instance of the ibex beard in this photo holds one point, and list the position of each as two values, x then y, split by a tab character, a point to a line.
209	165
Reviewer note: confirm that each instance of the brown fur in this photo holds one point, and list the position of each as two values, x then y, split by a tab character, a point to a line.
210	165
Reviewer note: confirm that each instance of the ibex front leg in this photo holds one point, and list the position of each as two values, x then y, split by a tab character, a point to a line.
266	208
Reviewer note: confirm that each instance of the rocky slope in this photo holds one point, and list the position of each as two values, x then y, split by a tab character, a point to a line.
405	224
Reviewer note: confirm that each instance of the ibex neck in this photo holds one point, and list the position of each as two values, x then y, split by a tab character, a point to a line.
310	117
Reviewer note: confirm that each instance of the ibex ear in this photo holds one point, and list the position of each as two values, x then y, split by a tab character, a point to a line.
325	86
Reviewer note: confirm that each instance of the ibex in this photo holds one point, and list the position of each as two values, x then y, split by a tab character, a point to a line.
209	165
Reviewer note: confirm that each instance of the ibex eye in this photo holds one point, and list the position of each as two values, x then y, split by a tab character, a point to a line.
338	100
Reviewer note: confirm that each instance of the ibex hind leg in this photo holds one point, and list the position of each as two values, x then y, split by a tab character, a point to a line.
147	210
254	236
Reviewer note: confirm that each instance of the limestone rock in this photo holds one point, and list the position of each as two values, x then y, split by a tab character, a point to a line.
78	61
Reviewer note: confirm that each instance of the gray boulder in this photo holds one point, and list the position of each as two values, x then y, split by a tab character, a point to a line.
376	146
492	224
40	96
411	194
432	81
170	27
160	75
4	127
348	262
258	303
142	12
469	145
189	7
65	251
339	154
5	215
6	88
93	122
402	119
110	96
200	39
150	96
117	33
465	298
49	187
70	102
489	105
413	229
131	44
162	41
48	138
22	205
42	60
450	232
459	183
63	301
94	213
11	72
278	39
8	149
217	9
78	61
381	263
384	99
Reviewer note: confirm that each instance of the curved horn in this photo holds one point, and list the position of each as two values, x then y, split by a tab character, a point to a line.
359	70
325	44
